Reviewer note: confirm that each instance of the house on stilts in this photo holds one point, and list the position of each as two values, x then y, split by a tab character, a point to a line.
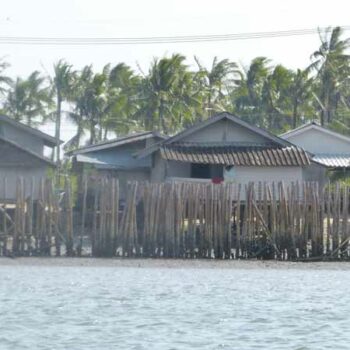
22	157
220	149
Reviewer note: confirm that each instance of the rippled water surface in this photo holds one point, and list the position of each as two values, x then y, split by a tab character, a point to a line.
155	308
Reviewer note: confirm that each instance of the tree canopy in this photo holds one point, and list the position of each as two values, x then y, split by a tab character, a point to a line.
172	94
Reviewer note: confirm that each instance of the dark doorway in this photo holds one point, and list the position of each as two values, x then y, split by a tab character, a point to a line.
217	171
200	171
206	171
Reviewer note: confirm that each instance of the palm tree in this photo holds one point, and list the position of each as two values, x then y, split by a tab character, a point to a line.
160	93
62	87
121	105
275	99
94	100
331	64
247	97
300	93
103	102
217	83
88	97
28	99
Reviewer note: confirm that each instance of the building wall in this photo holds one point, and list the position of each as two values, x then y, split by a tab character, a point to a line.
239	174
178	169
225	131
244	175
318	142
16	163
158	169
21	137
124	176
315	172
168	169
14	174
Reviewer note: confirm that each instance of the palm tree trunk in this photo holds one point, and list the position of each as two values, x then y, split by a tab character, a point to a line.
58	130
322	115
161	117
327	105
105	134
100	129
295	114
92	133
80	129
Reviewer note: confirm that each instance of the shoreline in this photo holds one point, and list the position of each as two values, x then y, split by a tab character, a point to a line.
171	263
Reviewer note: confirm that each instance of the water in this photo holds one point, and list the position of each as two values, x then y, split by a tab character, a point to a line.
154	308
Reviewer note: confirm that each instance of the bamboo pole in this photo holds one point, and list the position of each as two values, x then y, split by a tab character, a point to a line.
83	216
68	218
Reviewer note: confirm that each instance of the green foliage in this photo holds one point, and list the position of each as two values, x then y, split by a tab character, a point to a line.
171	95
331	63
342	176
28	100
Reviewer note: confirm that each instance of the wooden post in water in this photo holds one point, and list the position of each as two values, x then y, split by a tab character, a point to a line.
4	221
83	216
94	240
68	217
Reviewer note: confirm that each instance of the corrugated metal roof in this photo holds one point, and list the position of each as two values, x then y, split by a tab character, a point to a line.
333	160
118	142
122	160
236	155
89	159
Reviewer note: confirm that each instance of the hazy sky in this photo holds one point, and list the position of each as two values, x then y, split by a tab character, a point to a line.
108	18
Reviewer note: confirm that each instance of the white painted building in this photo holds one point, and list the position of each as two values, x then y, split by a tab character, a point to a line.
327	147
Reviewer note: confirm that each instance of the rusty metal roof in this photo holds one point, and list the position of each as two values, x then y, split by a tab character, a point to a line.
333	160
236	155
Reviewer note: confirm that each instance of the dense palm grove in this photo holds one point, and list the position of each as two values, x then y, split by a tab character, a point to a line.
171	95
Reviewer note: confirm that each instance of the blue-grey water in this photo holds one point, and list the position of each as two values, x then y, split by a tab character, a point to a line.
157	308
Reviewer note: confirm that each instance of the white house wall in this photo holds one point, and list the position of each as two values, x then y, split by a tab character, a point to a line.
244	175
318	142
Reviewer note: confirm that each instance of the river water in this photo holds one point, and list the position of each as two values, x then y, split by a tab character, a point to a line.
57	307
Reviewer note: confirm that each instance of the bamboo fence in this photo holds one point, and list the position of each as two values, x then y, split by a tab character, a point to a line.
177	220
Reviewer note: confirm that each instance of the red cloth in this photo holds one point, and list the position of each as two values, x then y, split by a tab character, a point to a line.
217	180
